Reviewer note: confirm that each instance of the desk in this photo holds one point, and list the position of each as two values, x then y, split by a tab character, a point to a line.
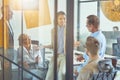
109	56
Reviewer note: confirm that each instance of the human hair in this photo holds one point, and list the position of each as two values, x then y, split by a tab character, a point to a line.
92	45
60	13
23	39
116	27
94	20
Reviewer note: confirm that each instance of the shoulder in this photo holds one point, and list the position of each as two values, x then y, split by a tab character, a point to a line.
91	67
101	38
101	34
21	48
84	74
87	71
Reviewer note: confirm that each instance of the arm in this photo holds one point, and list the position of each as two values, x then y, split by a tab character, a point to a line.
38	57
102	47
48	46
76	43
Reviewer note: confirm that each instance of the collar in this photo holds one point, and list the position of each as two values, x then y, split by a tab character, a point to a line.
96	33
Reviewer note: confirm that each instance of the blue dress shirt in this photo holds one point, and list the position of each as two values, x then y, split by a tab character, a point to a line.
102	41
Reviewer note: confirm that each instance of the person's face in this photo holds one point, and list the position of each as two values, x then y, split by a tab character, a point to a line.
27	42
0	9
61	20
8	13
89	26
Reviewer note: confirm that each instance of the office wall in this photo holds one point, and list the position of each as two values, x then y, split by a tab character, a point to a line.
41	33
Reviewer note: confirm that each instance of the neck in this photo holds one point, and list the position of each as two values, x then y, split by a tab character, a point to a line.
60	25
27	47
93	57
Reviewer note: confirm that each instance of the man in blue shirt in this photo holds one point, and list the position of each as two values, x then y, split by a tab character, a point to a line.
93	27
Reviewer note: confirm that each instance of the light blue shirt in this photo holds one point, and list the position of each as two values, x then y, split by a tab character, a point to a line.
102	41
60	40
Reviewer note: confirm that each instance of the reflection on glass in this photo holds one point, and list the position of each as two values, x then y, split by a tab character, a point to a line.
12	24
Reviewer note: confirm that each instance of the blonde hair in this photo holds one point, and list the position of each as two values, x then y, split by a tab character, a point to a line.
23	39
92	45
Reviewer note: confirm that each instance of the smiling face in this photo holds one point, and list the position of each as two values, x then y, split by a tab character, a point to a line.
8	12
61	20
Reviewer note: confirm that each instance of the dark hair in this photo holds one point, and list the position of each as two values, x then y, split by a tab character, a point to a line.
92	45
116	27
94	20
60	13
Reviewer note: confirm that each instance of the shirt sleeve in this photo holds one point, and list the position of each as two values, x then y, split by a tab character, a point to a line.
102	47
85	56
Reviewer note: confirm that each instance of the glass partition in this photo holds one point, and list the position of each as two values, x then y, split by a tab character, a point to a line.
106	11
109	19
88	8
24	28
27	28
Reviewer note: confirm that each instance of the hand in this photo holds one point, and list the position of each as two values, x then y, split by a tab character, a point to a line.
79	58
36	47
76	43
26	65
37	59
47	46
